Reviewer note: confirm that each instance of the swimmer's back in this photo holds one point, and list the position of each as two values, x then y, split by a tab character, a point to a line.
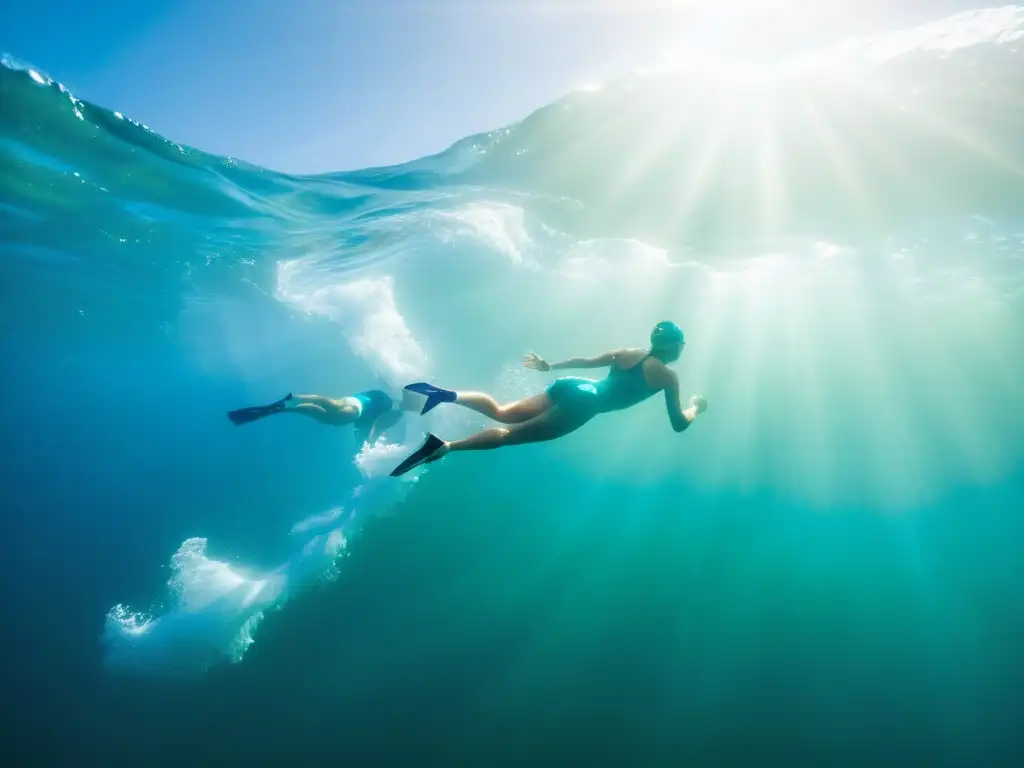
653	368
633	377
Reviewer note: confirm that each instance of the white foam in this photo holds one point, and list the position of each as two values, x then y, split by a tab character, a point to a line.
213	607
499	226
367	313
605	258
212	612
325	520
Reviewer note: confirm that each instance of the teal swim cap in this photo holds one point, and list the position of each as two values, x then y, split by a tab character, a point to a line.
667	334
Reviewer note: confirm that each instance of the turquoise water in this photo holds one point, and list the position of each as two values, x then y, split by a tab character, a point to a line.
826	567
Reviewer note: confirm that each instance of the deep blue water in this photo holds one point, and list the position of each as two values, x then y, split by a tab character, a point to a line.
826	568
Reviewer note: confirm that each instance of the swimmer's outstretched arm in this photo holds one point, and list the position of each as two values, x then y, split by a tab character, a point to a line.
540	364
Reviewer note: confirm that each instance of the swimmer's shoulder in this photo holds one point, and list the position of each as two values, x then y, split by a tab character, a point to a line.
629	357
658	375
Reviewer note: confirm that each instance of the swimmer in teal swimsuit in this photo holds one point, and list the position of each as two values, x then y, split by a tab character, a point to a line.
570	402
370	413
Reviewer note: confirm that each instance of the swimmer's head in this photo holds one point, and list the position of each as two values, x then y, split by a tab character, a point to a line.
667	341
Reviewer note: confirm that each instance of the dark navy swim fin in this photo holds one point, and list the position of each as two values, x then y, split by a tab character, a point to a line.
247	415
435	395
422	455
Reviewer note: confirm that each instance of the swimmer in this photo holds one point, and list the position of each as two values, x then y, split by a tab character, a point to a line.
570	402
371	412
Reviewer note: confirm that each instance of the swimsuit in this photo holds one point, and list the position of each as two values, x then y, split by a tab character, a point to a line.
375	404
622	388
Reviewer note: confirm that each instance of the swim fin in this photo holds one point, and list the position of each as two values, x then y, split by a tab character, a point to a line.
422	455
246	415
435	395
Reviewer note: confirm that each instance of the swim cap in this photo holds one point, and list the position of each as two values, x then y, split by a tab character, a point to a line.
666	334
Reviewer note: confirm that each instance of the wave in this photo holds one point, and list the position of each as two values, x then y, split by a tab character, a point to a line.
938	96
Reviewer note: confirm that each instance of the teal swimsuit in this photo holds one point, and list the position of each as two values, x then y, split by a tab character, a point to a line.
621	388
375	404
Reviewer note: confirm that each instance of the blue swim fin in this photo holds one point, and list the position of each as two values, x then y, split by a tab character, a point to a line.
435	395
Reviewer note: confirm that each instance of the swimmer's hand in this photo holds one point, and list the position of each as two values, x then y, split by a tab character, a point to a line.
536	362
699	402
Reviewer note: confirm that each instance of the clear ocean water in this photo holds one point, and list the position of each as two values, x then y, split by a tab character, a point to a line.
826	569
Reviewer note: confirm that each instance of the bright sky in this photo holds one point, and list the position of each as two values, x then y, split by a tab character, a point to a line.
320	85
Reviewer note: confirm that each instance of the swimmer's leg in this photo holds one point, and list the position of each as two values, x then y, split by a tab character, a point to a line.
317	413
510	413
324	403
326	410
549	425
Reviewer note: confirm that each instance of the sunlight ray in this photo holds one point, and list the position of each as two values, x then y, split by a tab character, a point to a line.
895	457
950	351
773	202
676	122
931	120
813	475
706	158
850	177
740	294
703	318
